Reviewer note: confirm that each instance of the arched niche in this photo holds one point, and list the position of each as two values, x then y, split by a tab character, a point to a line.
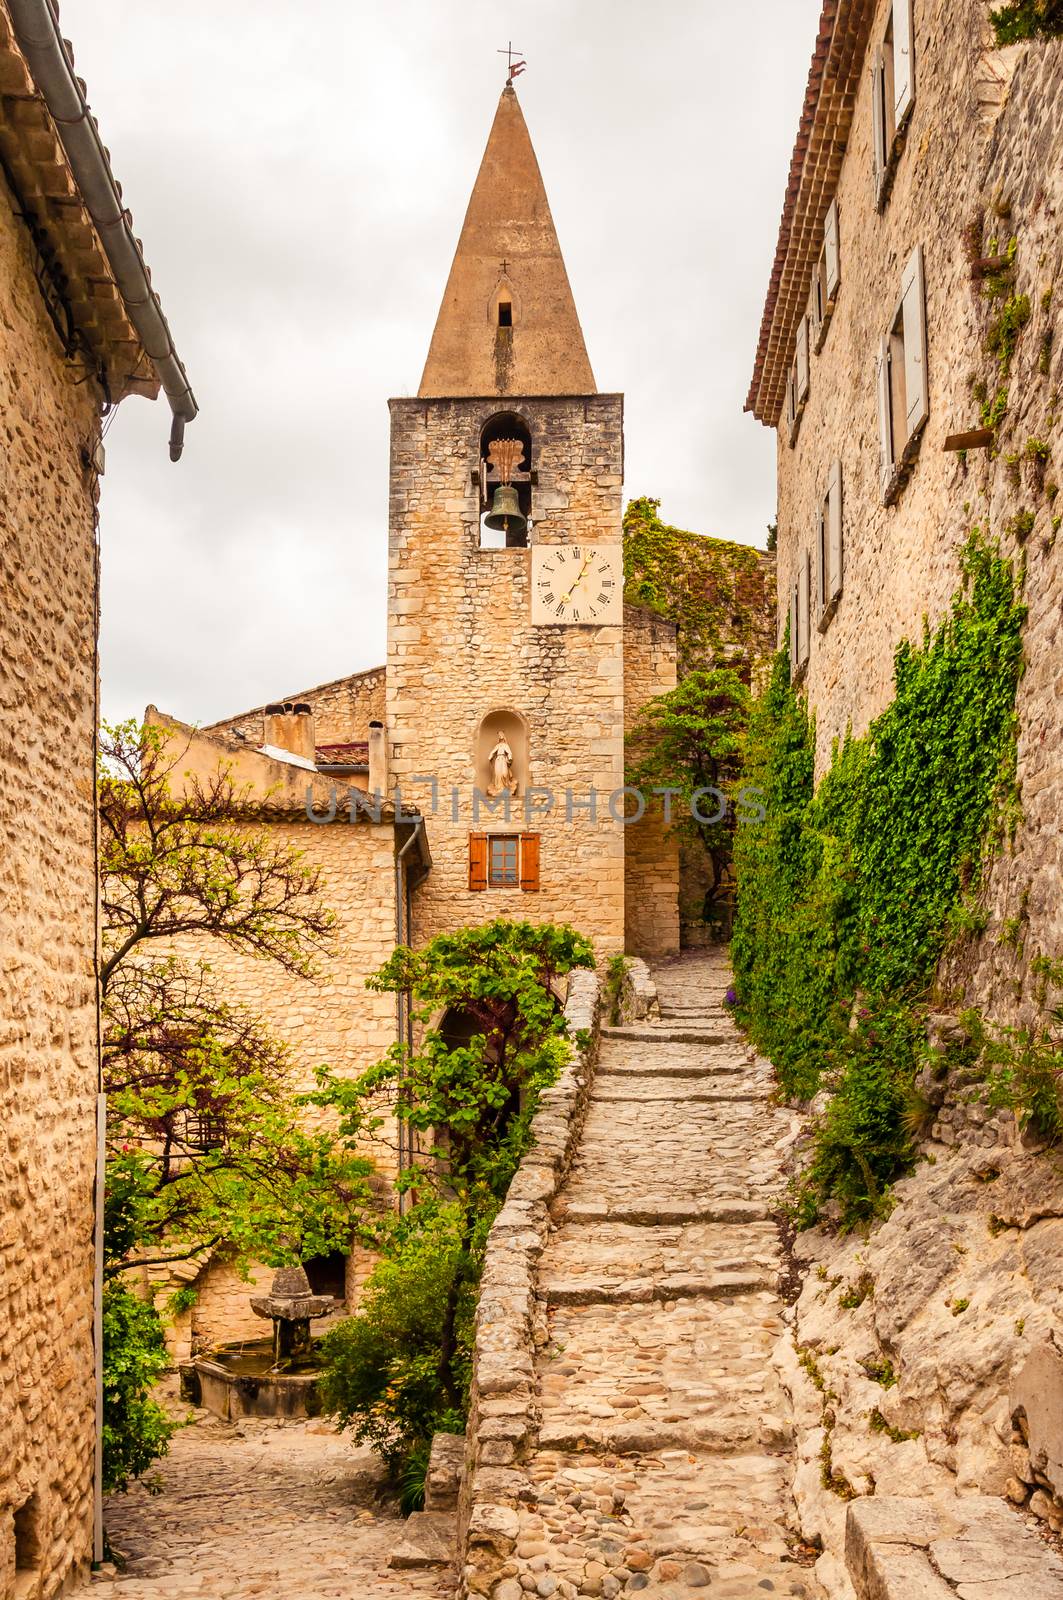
511	726
505	425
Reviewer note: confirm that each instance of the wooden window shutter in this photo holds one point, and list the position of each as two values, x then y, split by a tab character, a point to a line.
477	861
822	569
878	121
832	275
802	360
903	60
803	599
529	862
793	629
885	419
832	565
913	321
812	315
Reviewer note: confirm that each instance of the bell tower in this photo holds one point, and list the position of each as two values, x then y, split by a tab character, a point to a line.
505	695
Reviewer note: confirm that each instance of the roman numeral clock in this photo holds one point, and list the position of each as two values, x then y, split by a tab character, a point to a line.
577	584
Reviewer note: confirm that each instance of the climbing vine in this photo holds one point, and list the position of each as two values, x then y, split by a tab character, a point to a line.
714	591
1027	19
849	892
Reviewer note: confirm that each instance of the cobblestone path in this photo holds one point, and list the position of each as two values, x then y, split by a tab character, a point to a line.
262	1512
662	1461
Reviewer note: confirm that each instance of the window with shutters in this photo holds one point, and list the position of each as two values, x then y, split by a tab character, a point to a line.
504	861
829	571
903	390
826	280
800	597
892	95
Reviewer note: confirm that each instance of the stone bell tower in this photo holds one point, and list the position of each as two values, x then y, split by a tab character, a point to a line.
505	614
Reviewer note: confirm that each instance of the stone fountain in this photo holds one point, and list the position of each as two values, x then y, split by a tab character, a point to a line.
265	1378
291	1303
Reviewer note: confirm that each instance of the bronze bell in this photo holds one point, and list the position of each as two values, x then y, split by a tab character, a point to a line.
505	514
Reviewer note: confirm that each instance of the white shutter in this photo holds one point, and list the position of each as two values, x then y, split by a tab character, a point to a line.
803	597
793	629
878	120
832	274
903	61
885	420
913	315
822	574
813	312
791	408
832	564
802	360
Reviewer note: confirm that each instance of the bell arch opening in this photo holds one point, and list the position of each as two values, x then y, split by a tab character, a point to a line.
505	482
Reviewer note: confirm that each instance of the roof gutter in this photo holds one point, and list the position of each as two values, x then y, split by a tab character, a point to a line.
41	41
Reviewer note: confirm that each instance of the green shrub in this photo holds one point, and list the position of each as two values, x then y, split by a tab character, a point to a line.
381	1374
1027	19
136	1429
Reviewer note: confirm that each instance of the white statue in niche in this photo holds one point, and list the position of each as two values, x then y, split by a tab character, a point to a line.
500	768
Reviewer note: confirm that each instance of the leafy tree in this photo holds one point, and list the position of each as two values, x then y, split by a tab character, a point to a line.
690	741
204	1140
468	1089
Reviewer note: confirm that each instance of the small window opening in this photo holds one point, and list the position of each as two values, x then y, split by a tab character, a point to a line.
505	314
502	861
27	1548
328	1274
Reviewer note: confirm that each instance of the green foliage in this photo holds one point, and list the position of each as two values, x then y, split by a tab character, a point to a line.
881	1372
713	590
1025	1072
854	888
493	1036
689	742
878	1424
381	1368
136	1429
615	973
1004	331
1027	19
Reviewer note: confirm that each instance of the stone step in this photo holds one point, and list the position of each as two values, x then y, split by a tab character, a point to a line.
662	1067
732	1435
663	1209
975	1546
427	1541
581	1291
660	1094
655	1033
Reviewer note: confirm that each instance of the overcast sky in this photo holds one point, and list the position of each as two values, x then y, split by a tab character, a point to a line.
299	174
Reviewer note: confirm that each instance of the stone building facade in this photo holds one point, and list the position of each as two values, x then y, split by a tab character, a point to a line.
928	168
69	350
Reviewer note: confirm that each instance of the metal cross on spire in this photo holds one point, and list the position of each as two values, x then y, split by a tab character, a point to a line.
515	67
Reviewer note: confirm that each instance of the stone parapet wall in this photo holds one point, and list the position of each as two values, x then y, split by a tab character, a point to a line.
503	1417
342	709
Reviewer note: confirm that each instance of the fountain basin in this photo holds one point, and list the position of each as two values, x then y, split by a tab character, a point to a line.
234	1381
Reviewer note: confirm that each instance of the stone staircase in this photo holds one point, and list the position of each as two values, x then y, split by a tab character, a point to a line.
661	1465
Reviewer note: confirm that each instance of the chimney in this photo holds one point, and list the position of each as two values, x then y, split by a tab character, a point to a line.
378	759
290	727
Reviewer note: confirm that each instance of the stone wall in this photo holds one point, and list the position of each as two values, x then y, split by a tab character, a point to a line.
995	163
651	849
461	644
342	710
502	1403
48	1064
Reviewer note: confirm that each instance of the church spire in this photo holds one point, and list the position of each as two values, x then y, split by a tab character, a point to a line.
508	323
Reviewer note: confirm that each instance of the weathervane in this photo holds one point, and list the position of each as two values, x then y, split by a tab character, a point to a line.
515	67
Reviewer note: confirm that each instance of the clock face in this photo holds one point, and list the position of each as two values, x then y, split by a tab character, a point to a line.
577	585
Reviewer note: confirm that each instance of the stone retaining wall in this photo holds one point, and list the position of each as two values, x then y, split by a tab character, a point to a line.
502	1408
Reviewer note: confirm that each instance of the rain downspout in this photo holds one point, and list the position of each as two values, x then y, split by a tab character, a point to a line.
402	1007
41	41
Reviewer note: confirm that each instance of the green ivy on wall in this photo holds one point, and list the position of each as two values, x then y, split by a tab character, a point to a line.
713	590
1027	19
850	891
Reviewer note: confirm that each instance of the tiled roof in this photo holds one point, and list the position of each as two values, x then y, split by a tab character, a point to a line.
59	221
833	82
353	753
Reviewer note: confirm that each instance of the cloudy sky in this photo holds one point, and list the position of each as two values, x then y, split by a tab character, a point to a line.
299	173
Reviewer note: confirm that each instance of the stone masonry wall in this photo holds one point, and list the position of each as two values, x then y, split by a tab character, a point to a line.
332	1019
342	709
48	1063
651	850
964	157
461	645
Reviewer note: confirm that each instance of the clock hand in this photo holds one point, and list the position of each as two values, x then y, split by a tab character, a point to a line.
578	581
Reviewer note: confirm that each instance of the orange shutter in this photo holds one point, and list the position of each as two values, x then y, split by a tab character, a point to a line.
477	861
529	862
